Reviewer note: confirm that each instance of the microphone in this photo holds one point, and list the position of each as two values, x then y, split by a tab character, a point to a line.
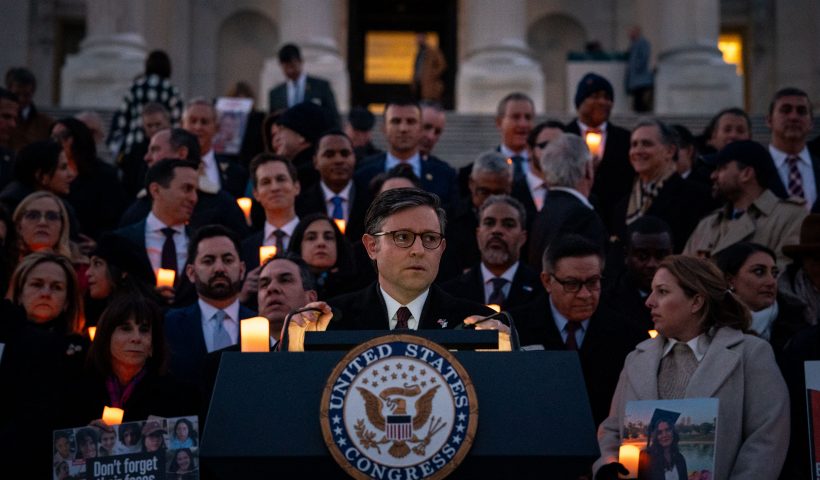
502	316
284	338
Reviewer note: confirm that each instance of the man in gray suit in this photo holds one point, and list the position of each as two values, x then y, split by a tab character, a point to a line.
300	87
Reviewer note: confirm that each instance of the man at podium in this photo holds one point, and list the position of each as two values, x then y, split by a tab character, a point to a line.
404	240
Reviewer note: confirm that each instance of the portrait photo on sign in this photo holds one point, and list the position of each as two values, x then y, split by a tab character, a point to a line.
232	118
665	439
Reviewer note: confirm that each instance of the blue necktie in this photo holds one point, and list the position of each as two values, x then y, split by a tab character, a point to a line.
222	338
338	212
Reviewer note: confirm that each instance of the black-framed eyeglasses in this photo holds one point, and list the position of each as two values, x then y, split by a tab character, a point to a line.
36	215
406	238
572	285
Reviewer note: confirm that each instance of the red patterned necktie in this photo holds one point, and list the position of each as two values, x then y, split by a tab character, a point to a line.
402	316
795	178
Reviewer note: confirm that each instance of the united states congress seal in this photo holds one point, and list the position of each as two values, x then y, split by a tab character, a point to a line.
399	407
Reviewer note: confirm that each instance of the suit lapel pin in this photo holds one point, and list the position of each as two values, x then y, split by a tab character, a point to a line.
526	288
429	177
442	322
223	166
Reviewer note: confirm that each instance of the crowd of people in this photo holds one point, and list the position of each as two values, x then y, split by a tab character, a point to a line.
587	233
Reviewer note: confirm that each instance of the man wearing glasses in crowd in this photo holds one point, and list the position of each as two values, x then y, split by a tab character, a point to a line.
404	240
570	318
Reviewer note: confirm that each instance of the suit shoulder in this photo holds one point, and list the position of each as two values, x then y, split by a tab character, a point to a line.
176	315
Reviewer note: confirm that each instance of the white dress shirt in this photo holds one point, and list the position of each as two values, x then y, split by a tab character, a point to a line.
508	152
699	345
415	308
487	276
414	161
231	322
538	189
296	90
211	168
561	322
805	168
269	239
155	239
344	195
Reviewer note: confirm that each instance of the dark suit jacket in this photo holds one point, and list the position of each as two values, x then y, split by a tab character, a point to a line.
606	344
563	213
312	200
317	90
250	250
526	286
186	344
680	203
623	296
436	176
232	175
366	310
185	293
211	208
780	189
613	178
461	252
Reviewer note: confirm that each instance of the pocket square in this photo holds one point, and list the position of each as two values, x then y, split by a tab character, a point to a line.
442	322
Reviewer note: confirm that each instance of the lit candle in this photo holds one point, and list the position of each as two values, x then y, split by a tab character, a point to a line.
255	334
628	456
245	204
265	253
341	224
495	307
593	140
653	333
91	332
112	415
165	277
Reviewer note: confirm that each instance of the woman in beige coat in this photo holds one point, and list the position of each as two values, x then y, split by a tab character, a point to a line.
701	351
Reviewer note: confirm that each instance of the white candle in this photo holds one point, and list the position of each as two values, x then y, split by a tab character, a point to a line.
628	456
341	224
495	307
112	415
165	277
245	204
265	253
593	140
255	334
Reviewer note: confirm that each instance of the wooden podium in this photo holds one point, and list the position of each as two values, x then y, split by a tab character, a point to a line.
534	415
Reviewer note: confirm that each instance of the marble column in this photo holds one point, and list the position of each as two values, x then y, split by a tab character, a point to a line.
497	59
111	55
313	25
692	78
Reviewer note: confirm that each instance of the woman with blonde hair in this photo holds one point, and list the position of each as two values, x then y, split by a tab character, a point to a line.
702	351
41	222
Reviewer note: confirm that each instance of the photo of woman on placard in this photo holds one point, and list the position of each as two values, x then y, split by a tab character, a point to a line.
662	460
87	443
130	438
184	435
153	436
108	441
183	465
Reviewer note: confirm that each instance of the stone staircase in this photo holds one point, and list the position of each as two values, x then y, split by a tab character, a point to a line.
467	135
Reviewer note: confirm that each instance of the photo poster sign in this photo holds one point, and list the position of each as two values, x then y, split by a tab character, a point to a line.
684	429
232	119
153	449
812	372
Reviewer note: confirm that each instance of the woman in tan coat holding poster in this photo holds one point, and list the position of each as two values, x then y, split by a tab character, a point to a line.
701	351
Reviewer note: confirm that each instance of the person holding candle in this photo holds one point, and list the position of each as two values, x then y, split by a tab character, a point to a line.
127	366
164	233
657	188
594	99
211	322
335	194
328	254
702	351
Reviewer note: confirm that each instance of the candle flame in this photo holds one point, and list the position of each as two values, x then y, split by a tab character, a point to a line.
91	332
593	140
245	204
495	307
653	333
341	224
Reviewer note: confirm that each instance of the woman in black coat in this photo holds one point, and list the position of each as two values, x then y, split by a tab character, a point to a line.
327	252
